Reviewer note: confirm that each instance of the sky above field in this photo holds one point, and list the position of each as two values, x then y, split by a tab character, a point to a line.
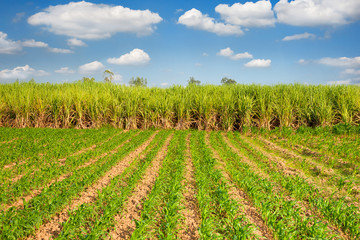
167	42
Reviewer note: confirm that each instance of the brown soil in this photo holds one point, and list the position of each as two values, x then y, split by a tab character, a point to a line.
20	203
53	227
307	210
328	173
246	160
62	160
252	215
9	165
191	212
10	141
125	224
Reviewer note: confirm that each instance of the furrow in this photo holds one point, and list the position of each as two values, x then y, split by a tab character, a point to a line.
53	227
326	182
286	170
20	202
240	196
191	212
63	160
125	224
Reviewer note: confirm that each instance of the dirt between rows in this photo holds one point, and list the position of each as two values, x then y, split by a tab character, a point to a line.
240	196
34	193
61	161
191	222
329	173
307	209
53	227
125	224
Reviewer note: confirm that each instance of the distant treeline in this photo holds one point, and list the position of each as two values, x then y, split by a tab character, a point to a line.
231	107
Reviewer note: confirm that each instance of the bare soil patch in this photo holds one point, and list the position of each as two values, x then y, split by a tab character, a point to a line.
191	212
53	227
34	193
125	224
252	215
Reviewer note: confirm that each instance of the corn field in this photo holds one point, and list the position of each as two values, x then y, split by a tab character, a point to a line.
207	107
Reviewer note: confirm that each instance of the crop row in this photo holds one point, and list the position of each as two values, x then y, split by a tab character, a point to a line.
244	187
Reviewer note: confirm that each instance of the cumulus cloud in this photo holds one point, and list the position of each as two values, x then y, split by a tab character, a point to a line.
249	14
8	46
341	62
164	84
92	67
21	73
351	71
135	57
195	19
86	20
117	78
227	52
65	70
305	35
317	12
258	63
73	42
33	43
60	50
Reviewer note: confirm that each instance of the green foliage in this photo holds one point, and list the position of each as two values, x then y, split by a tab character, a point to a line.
193	81
236	180
138	82
92	104
227	81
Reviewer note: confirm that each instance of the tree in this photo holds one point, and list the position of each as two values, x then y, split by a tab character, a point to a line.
193	81
227	81
108	76
138	82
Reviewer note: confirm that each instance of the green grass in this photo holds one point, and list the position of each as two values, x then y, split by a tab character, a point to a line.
227	167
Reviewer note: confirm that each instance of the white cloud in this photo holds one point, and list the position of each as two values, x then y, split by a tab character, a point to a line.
135	57
33	43
249	14
195	19
86	20
205	54
117	78
75	42
164	84
92	67
341	62
198	65
60	50
317	12
351	71
227	52
258	63
8	46
305	35
340	82
65	70
21	73
303	61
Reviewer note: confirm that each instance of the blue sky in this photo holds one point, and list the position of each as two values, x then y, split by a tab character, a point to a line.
167	42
